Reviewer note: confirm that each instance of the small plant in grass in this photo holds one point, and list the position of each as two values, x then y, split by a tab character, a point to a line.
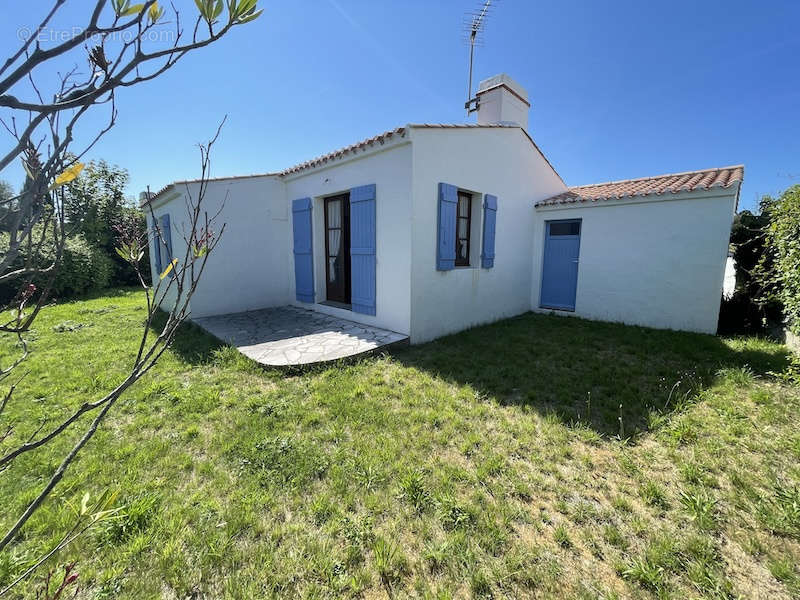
389	562
780	512
791	373
452	514
696	474
583	512
613	536
414	491
436	555
561	536
709	581
134	519
479	584
359	582
645	573
622	504
650	570
357	531
654	495
285	461
740	377
683	431
701	506
786	571
323	509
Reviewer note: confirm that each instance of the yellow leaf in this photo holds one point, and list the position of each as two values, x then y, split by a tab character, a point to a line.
155	12
172	263
67	175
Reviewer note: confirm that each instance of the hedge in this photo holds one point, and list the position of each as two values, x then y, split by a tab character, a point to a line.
783	245
82	269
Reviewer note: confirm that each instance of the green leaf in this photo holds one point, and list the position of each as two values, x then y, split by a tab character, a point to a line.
252	17
133	10
245	7
120	6
201	8
217	9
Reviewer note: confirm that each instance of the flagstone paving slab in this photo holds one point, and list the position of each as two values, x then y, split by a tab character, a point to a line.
290	336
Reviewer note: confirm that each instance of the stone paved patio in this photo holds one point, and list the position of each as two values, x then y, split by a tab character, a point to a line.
289	335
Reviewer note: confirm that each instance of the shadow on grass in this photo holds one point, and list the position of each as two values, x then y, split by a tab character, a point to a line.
193	344
586	370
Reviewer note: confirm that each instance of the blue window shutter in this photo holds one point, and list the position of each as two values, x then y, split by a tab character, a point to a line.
157	250
166	233
362	249
446	242
303	256
489	221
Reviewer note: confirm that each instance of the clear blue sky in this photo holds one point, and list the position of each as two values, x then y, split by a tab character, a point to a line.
619	89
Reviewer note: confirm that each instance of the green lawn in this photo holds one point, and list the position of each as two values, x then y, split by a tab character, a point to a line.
485	463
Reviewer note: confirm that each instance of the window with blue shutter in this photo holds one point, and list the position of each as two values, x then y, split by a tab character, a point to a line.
362	249
446	242
303	256
489	221
157	249
166	233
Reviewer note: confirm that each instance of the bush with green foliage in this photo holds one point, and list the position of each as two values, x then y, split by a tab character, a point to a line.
83	268
765	248
781	262
95	206
745	311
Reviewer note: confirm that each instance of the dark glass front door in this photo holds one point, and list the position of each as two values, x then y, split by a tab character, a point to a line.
337	248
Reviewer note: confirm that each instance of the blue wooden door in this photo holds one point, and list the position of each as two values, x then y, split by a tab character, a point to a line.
562	246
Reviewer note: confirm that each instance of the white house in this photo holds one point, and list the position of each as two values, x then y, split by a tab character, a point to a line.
429	229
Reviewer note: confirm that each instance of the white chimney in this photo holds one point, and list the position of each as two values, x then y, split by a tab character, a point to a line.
502	100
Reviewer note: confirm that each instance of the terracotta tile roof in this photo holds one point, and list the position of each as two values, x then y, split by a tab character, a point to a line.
673	183
381	139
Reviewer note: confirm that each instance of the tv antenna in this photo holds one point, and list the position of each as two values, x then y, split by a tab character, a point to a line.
474	22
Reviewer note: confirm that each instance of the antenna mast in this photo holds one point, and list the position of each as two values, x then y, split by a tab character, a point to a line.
473	28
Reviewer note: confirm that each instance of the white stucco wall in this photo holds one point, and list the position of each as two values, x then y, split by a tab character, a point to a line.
249	268
390	170
658	262
499	161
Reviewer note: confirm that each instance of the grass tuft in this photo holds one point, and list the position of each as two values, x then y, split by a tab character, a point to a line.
701	506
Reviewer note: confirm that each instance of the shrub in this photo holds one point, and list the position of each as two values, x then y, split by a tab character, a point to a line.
82	269
783	249
747	310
